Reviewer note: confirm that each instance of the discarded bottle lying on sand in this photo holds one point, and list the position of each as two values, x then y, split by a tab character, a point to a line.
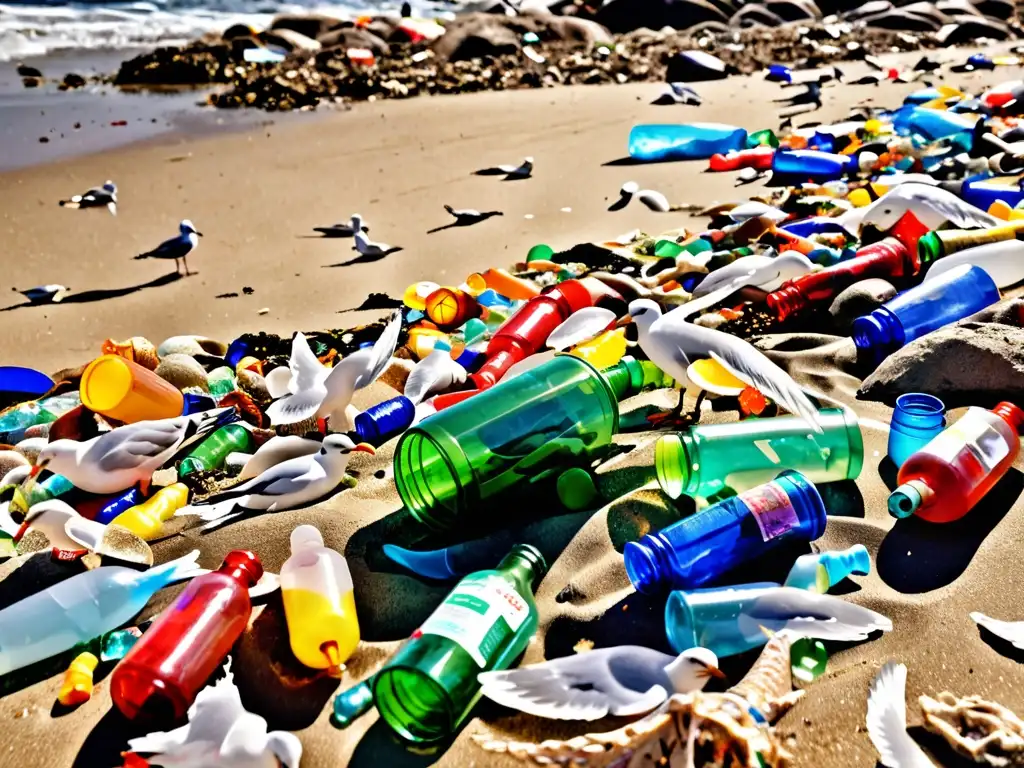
379	423
812	164
758	158
147	519
936	245
695	141
943	481
916	420
319	602
81	608
821	572
932	124
552	417
160	676
212	452
708	459
702	547
923	309
126	391
427	689
1004	262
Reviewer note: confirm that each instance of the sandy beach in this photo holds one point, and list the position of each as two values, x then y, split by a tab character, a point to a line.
257	193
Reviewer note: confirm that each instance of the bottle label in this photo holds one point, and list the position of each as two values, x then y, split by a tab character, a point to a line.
772	509
480	615
977	436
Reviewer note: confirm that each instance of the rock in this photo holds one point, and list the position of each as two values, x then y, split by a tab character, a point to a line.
30	447
31	82
968	29
312	25
573	29
626	15
695	66
476	36
191	345
24	70
10	460
196	64
354	37
236	31
1006	312
182	371
71	81
289	40
995	9
253	385
900	21
967	363
860	299
794	10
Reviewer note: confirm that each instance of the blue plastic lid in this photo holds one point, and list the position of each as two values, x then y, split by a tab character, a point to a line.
24	381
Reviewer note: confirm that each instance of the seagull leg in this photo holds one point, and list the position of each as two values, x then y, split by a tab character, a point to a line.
177	266
185	259
676	419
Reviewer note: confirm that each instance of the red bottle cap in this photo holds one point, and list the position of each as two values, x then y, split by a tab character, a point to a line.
242	562
572	295
1011	414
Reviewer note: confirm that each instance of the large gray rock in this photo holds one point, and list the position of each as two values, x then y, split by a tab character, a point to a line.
860	299
309	24
626	15
182	371
354	37
477	36
968	363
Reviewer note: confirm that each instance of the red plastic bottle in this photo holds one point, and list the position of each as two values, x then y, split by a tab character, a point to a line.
759	158
160	676
887	258
944	480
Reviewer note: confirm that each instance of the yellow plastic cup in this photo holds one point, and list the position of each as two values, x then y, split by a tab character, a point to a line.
125	391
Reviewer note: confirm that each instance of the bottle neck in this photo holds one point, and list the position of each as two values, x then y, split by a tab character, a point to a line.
526	566
881	332
648	563
1011	414
785	301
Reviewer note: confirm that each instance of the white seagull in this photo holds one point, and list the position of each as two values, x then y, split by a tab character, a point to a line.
326	393
436	372
764	272
65	529
1010	631
220	734
887	720
933	206
354	224
673	344
97	197
117	460
276	450
177	247
367	247
624	681
52	293
287	485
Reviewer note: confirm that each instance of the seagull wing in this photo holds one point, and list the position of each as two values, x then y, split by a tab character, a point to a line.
307	371
279	480
383	349
175	248
306	385
298	407
580	326
887	720
812	615
246	741
1011	631
130	446
731	274
436	370
955	210
215	711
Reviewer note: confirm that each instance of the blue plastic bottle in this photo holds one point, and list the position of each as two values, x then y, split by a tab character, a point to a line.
932	124
713	619
694	141
379	423
702	547
917	419
812	164
932	304
984	189
821	572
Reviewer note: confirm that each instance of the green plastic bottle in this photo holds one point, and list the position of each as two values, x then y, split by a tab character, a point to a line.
707	460
524	430
427	689
214	450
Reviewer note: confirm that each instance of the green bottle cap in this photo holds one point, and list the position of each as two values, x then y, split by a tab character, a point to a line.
700	245
672	465
576	489
808	659
904	501
929	248
540	252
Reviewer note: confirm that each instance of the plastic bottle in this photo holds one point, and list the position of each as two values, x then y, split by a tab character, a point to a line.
379	423
213	451
932	124
944	480
924	308
759	158
936	245
917	419
221	381
125	391
160	676
76	688
319	602
533	426
656	142
982	192
821	572
603	351
147	519
15	420
708	459
702	547
450	308
508	285
713	619
886	258
106	509
427	689
812	164
81	608
1003	261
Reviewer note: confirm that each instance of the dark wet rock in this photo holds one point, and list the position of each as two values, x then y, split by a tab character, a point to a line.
196	64
24	70
354	37
860	299
754	15
70	81
309	24
995	9
478	36
955	8
899	20
969	29
238	30
31	82
626	15
968	363
695	66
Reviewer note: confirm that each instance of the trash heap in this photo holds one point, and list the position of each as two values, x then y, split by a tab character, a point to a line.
514	384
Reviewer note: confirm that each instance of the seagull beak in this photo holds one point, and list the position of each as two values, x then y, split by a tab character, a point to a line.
624	321
198	232
710	671
36	470
366	448
21	531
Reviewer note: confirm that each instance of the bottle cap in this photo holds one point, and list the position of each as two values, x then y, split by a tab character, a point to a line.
532	556
929	248
904	501
306	536
1011	414
243	561
672	465
576	489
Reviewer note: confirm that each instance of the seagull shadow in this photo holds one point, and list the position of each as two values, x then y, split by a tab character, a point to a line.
483	217
1001	646
110	737
629	161
621	203
364	258
102	294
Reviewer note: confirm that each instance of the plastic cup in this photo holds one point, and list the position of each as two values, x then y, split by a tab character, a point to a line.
120	389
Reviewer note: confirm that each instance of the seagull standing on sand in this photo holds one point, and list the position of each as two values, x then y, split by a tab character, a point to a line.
117	460
177	247
887	720
317	391
366	247
355	224
287	485
672	343
97	197
625	681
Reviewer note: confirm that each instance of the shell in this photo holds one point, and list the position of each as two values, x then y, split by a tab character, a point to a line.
981	730
137	349
706	729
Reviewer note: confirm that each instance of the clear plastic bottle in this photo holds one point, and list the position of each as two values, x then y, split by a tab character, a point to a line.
319	602
1004	262
654	142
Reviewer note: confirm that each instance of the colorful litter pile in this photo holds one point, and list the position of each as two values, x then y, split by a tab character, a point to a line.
510	390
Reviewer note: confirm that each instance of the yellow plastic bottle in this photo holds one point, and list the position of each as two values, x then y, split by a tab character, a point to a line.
146	520
77	686
319	604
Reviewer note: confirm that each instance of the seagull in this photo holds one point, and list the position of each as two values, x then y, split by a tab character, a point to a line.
582	325
764	272
290	484
67	530
624	681
887	720
466	217
679	93
932	205
97	197
436	372
220	734
673	344
326	393
366	247
626	192
177	247
355	224
511	172
1010	631
117	460
275	451
52	293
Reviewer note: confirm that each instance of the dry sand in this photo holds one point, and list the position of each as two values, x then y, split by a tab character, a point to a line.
257	196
